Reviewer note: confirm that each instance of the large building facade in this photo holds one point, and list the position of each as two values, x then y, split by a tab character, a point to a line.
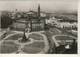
34	21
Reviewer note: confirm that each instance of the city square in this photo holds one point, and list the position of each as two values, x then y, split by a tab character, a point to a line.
38	32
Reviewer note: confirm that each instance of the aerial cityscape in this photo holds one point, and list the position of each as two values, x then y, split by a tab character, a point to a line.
38	31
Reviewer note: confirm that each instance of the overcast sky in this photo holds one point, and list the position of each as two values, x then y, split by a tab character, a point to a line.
46	5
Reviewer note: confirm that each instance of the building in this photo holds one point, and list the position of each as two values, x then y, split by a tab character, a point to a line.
34	20
67	25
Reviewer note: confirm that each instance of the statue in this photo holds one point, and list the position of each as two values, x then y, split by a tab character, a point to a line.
25	38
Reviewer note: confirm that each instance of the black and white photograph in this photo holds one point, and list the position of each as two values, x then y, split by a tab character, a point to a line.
38	26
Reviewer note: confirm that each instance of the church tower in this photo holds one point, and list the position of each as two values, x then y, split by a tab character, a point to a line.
39	10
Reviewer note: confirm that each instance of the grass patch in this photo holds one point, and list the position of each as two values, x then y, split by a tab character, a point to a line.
34	47
63	38
8	47
15	37
36	36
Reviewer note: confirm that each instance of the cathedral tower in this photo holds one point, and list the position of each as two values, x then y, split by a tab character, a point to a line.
38	10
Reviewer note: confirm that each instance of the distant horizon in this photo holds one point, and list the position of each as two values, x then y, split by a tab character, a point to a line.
52	6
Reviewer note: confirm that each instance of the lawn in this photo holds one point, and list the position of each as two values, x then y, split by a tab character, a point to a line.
6	34
14	37
63	38
36	36
8	47
34	47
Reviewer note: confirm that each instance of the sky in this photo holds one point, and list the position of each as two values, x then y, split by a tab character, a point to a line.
46	5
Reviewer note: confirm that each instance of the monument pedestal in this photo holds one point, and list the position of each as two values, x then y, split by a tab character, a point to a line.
24	39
